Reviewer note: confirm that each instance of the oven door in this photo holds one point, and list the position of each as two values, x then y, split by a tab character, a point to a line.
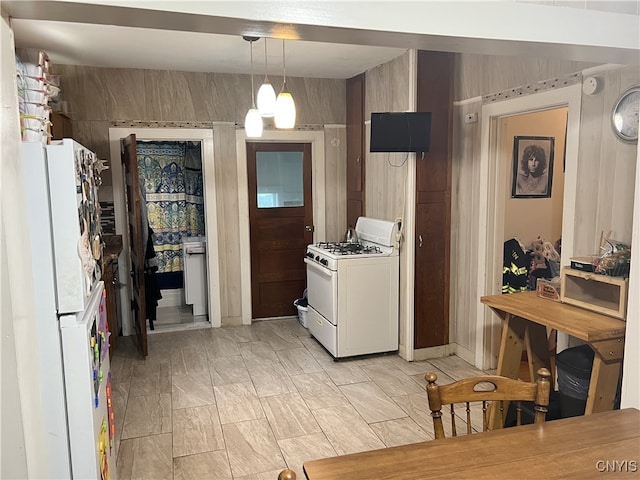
322	290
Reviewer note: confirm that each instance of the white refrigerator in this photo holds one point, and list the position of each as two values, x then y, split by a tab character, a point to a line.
73	341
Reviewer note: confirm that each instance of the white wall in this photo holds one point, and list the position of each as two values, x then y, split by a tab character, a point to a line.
630	370
24	453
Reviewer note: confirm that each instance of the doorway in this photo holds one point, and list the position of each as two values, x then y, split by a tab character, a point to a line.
203	137
280	223
316	139
171	179
493	186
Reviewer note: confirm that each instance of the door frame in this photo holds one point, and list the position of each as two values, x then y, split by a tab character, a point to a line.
205	136
491	208
316	139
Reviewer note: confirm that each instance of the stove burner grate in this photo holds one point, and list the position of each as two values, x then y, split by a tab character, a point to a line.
343	248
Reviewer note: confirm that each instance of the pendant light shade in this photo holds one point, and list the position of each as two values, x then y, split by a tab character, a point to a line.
266	94
253	123
267	100
285	110
252	120
285	106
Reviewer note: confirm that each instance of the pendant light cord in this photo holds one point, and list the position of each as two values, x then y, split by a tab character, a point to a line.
266	62
284	69
253	97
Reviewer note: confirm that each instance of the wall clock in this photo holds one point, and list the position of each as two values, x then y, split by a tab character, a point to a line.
626	113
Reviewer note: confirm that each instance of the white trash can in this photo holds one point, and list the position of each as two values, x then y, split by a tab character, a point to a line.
302	313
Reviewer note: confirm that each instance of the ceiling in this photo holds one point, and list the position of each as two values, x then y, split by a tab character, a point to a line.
130	47
326	39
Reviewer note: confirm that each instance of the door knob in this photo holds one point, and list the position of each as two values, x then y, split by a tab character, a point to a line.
308	228
419	241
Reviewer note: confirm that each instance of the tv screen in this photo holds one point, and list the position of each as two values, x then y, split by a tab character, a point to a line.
400	132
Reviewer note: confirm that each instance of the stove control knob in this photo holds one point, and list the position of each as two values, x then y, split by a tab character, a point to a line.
309	254
324	261
318	258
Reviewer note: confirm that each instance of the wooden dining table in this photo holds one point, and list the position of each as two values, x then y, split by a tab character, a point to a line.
602	445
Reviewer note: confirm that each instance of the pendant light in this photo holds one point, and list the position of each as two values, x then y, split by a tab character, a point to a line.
285	106
266	93
253	120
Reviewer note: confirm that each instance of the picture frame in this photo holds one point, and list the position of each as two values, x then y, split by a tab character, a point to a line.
532	167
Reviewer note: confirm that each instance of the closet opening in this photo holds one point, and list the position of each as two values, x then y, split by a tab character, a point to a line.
177	178
171	179
506	213
532	156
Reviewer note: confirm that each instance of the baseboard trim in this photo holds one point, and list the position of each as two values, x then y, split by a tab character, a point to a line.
402	351
231	321
465	354
433	352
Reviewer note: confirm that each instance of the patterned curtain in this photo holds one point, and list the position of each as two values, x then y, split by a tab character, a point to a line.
172	176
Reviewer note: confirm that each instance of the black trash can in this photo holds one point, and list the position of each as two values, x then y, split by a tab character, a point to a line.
528	413
574	374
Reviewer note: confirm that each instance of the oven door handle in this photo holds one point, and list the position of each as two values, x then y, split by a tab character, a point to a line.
318	268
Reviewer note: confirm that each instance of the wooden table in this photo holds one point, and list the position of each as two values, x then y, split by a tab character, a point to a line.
526	318
576	447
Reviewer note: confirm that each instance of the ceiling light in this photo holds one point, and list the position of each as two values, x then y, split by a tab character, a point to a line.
253	120
266	93
285	106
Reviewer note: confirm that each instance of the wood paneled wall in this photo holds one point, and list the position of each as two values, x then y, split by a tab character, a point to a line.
335	154
387	90
606	169
465	230
97	95
478	75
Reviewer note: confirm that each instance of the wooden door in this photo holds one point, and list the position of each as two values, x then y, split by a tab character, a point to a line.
355	149
433	202
136	245
281	224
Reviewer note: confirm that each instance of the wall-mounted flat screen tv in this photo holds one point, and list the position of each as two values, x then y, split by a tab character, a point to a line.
400	131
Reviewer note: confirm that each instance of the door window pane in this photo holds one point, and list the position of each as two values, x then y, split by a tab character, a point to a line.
279	179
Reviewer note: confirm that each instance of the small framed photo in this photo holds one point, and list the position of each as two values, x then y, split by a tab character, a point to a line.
532	167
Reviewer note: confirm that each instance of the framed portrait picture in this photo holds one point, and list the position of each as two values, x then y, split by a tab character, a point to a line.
532	167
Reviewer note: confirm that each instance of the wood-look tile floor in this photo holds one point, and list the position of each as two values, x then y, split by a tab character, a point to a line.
245	402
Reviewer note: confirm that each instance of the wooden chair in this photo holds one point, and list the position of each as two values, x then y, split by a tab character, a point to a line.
488	388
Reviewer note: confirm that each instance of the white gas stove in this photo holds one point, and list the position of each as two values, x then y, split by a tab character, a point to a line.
352	290
377	238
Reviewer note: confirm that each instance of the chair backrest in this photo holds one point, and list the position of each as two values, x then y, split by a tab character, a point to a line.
488	388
